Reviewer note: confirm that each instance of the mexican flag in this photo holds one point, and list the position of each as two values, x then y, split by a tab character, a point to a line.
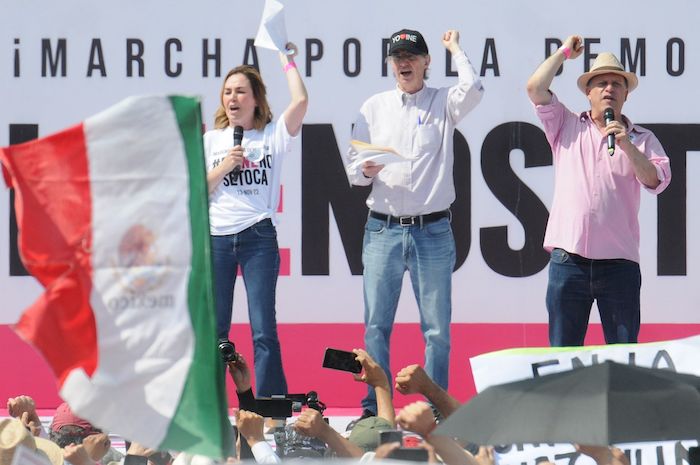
113	222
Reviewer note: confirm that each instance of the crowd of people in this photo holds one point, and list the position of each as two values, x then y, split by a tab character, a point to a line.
600	161
74	441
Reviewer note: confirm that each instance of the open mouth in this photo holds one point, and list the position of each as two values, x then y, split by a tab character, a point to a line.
406	73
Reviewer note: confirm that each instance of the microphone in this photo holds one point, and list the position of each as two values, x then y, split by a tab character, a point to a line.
237	140
609	116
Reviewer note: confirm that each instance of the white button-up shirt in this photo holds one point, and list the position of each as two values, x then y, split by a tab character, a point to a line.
419	126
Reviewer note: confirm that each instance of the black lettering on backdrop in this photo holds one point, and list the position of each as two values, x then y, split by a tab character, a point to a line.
314	52
324	182
250	51
208	56
18	133
678	44
15	61
549	50
385	54
489	59
639	59
167	52
96	54
346	57
134	54
48	60
462	206
671	213
516	197
448	65
588	55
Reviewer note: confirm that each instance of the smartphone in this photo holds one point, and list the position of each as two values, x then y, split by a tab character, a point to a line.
273	408
390	435
341	360
414	454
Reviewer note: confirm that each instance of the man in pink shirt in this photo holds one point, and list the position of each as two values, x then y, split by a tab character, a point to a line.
593	228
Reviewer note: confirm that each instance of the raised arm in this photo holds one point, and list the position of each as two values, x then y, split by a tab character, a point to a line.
294	114
375	376
468	92
414	380
540	81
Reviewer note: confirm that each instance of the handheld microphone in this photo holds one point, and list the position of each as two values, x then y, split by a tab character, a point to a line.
237	140
609	116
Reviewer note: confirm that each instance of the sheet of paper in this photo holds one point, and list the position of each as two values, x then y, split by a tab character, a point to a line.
368	152
272	32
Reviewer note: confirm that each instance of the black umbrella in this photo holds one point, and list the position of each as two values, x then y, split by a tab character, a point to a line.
603	404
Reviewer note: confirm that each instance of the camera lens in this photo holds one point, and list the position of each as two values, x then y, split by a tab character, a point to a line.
227	350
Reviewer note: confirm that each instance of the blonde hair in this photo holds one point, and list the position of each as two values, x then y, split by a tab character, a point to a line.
262	115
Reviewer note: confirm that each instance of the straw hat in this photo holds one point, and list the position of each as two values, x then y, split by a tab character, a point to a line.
606	63
14	434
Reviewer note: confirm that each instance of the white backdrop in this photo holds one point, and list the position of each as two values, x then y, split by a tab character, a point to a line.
518	30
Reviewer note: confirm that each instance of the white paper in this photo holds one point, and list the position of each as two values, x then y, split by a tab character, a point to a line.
363	152
272	32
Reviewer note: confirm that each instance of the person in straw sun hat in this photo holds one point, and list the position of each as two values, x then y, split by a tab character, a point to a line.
13	434
600	160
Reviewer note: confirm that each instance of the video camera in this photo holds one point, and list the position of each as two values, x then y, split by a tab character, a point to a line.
310	400
289	442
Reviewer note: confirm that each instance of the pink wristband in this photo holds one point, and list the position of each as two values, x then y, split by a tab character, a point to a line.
289	66
566	51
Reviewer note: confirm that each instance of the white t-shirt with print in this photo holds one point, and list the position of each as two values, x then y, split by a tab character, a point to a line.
237	204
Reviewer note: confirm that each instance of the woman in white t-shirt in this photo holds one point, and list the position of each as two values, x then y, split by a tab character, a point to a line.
244	186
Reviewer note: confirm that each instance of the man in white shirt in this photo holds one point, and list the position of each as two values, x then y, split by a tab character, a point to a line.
408	226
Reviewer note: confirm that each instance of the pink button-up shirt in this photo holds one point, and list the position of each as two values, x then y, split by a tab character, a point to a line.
596	196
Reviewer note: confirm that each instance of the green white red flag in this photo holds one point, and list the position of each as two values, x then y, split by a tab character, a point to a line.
113	222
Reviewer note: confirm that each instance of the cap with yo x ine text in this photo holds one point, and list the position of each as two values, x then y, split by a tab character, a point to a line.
410	41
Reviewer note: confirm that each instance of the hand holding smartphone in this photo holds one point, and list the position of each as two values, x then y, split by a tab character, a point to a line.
341	360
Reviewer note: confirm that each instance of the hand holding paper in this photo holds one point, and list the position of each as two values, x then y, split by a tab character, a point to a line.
272	32
364	152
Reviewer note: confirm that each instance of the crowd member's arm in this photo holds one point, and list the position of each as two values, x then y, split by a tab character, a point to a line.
310	423
240	374
540	81
375	376
251	426
75	454
414	380
418	417
604	455
24	408
294	114
468	92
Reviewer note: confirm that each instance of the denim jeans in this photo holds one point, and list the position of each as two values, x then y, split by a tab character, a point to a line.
428	253
255	250
575	282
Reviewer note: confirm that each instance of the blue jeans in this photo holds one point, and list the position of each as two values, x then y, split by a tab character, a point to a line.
428	253
255	250
575	282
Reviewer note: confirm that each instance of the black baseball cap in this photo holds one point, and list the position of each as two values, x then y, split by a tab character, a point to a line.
408	40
